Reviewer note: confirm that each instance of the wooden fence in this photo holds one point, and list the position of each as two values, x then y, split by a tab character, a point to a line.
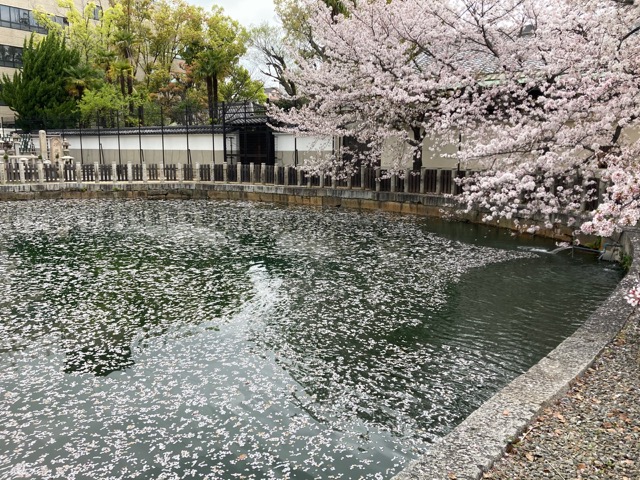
437	181
423	181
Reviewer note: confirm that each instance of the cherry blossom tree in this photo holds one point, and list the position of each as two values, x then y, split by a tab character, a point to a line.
540	97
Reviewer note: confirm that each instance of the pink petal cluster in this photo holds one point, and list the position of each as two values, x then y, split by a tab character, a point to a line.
633	297
541	97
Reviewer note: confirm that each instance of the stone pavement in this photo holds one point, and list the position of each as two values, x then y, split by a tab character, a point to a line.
593	432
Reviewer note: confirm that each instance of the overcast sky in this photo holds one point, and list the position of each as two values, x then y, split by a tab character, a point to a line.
247	12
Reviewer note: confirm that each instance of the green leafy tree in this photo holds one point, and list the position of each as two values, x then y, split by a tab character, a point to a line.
102	102
81	78
110	41
158	53
240	87
214	52
173	22
37	92
108	106
93	39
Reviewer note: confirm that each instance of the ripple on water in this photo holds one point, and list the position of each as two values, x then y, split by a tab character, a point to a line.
219	339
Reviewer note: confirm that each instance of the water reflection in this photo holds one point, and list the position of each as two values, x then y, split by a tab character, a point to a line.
211	339
98	361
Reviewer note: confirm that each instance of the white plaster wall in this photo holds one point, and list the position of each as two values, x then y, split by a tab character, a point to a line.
286	145
434	156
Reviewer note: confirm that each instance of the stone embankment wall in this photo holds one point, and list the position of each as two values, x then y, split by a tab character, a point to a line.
428	192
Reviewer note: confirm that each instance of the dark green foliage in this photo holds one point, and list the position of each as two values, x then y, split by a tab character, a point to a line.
37	93
337	7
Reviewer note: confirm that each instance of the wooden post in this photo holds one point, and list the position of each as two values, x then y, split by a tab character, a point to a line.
377	179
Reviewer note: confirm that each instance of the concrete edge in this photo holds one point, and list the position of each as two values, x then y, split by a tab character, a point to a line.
473	446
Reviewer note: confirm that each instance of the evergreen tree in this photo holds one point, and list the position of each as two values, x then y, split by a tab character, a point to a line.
38	93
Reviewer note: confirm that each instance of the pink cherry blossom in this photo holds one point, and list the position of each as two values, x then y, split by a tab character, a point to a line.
540	97
633	297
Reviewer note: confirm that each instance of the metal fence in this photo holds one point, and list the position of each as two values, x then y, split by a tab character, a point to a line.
233	123
151	115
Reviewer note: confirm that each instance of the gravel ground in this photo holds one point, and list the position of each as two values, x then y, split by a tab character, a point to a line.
593	432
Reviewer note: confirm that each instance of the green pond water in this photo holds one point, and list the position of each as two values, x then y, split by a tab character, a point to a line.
220	340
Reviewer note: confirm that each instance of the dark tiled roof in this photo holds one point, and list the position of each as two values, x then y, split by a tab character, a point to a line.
169	130
475	62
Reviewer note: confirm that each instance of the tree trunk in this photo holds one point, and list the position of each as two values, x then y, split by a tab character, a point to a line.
130	92
418	136
215	95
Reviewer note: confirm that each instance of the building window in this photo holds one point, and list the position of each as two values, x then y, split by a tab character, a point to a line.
21	19
10	56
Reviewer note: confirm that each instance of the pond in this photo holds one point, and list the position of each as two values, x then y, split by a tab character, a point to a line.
218	340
